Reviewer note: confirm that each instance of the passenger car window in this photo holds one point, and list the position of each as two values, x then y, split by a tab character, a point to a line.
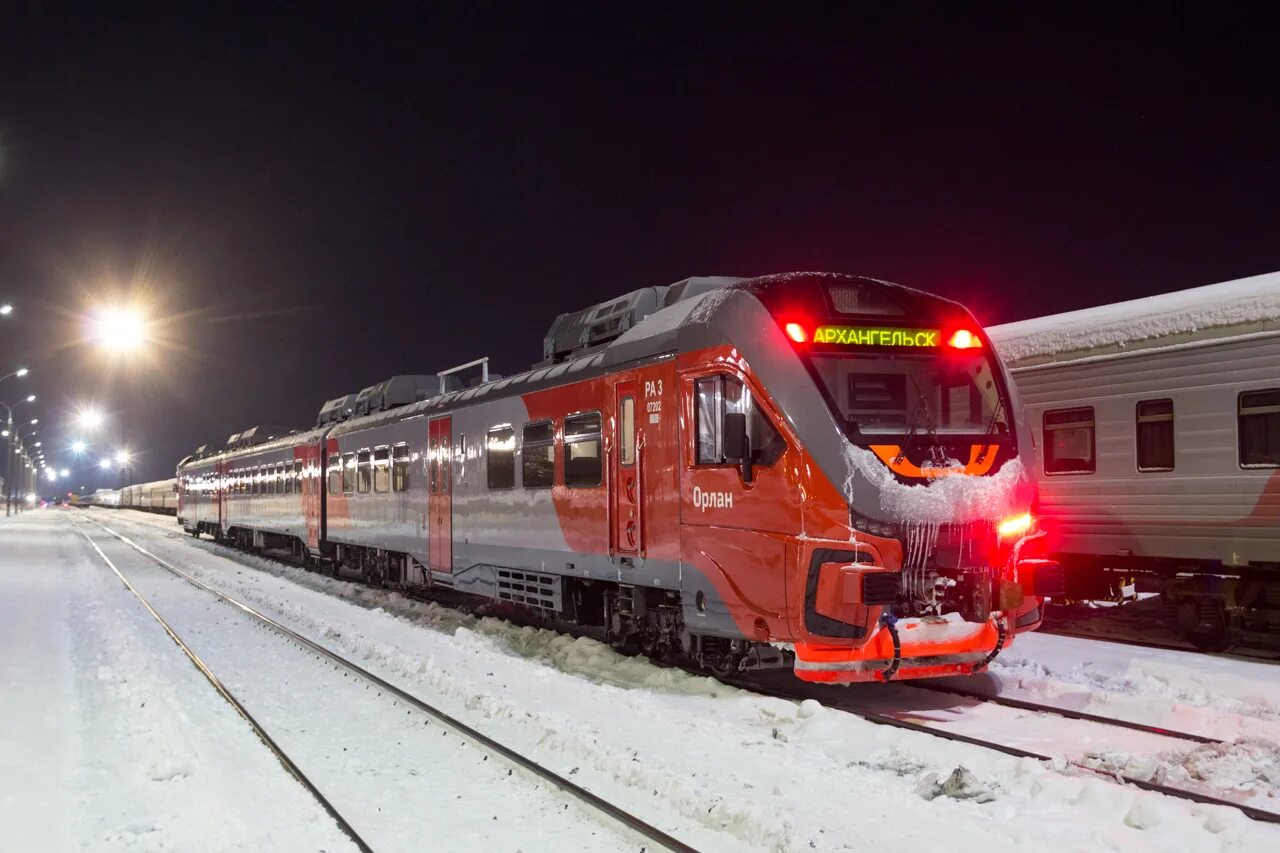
348	473
538	455
364	465
715	395
1258	423
500	449
1155	435
335	474
582	463
1069	441
400	468
382	469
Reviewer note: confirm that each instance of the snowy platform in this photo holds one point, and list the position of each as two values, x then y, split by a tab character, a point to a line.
114	741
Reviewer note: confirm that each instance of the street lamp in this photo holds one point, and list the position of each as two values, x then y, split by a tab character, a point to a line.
11	434
20	372
78	447
119	329
6	310
89	418
104	464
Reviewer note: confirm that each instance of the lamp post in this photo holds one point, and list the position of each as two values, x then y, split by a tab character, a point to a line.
11	433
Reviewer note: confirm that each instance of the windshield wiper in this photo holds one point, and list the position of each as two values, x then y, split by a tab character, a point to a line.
913	426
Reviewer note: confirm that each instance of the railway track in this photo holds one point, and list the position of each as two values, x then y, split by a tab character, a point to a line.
1019	752
1258	656
896	722
283	757
1066	713
612	813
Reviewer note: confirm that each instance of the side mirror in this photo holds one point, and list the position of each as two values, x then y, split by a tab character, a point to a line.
736	442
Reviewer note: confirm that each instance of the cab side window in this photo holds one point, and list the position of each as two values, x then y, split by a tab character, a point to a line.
715	396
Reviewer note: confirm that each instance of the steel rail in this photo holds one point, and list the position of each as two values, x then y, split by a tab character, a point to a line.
225	693
1018	752
594	801
1267	656
1068	713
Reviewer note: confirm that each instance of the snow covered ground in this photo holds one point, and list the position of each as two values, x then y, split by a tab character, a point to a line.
110	738
720	767
386	768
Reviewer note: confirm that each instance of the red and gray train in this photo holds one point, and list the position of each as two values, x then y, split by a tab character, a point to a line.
816	471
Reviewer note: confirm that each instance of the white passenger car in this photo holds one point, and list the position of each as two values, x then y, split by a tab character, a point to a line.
1157	423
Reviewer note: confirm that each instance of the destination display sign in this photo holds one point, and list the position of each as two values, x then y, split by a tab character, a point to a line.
877	336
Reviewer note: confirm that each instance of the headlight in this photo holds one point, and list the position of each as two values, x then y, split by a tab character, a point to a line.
884	529
1014	525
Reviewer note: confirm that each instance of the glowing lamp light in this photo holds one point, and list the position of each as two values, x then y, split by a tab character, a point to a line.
89	418
1014	525
104	464
122	458
6	310
119	329
21	372
797	332
964	339
78	447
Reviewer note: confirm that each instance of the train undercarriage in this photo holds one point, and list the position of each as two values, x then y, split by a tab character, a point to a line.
1214	607
633	620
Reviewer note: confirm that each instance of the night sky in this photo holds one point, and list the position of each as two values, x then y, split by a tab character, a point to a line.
312	202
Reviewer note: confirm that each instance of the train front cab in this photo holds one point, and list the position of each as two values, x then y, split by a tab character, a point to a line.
781	507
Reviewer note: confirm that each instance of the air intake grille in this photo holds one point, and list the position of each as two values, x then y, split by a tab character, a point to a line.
531	588
880	587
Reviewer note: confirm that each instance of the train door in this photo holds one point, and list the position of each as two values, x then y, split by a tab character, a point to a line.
625	481
440	493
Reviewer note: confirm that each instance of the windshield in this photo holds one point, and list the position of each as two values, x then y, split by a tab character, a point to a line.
880	397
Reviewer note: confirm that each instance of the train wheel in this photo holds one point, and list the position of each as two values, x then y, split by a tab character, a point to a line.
1213	629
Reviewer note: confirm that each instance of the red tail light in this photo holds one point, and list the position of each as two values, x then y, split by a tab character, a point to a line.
1015	525
797	333
964	339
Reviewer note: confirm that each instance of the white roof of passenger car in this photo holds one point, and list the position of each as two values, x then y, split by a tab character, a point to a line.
1216	310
